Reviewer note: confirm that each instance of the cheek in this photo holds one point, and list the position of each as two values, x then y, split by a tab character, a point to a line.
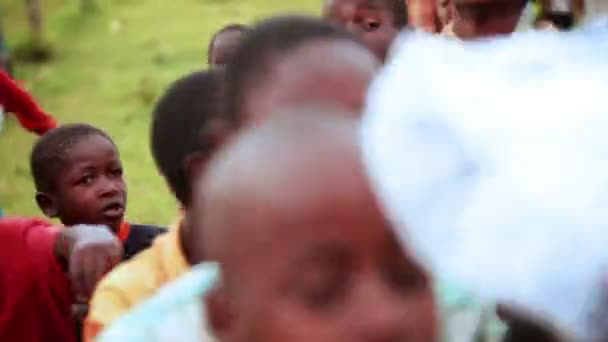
422	316
380	42
289	320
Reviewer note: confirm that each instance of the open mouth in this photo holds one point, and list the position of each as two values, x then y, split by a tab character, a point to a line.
114	210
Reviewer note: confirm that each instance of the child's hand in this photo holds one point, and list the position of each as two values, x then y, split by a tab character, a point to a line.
90	252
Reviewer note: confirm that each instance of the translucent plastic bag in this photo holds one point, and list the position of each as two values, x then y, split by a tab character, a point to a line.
492	158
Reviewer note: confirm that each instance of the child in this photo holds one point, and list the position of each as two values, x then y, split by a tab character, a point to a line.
186	130
310	257
223	43
306	253
289	61
375	22
78	177
37	293
476	19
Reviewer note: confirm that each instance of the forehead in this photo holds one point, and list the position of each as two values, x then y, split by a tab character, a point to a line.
369	4
483	2
93	148
333	72
331	202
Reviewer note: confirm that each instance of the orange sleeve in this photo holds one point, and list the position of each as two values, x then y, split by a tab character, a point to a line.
125	287
92	329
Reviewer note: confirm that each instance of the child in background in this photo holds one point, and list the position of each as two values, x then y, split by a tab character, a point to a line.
186	130
476	19
310	257
289	61
223	43
79	180
375	22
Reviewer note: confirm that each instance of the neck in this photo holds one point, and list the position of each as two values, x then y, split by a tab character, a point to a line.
184	233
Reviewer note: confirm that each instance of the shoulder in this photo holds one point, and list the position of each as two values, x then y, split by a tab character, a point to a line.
140	238
125	286
175	305
31	236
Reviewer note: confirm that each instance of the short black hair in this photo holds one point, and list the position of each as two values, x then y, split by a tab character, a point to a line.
48	155
182	114
227	28
263	45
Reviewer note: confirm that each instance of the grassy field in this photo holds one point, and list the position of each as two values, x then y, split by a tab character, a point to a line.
109	68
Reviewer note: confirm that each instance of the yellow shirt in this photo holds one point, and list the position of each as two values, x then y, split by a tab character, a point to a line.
133	282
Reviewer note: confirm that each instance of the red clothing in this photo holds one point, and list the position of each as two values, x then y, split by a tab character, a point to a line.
17	101
35	294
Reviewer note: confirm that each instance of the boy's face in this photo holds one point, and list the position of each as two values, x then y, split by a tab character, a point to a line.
318	262
368	20
486	18
332	72
224	46
90	189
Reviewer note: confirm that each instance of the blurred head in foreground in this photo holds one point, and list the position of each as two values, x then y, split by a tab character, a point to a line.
486	18
223	44
290	61
310	257
375	22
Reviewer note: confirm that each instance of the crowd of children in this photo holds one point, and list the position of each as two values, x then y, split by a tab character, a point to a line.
261	152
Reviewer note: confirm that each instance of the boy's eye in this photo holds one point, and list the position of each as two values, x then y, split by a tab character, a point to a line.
407	279
117	172
324	295
86	180
370	25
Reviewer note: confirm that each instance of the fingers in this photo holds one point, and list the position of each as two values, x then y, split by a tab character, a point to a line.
77	277
87	267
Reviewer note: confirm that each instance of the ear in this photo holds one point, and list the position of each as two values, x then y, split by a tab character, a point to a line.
215	135
47	204
220	314
194	164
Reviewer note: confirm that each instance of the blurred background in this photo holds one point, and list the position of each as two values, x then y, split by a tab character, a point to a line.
105	62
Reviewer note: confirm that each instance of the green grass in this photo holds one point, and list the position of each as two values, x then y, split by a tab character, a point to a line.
109	68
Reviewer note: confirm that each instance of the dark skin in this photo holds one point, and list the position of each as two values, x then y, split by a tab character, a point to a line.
371	21
89	188
476	19
320	71
88	253
523	329
310	256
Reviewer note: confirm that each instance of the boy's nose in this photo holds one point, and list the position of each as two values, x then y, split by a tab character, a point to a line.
109	187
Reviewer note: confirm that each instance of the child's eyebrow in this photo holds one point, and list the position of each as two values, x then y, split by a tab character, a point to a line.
83	167
370	5
325	252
